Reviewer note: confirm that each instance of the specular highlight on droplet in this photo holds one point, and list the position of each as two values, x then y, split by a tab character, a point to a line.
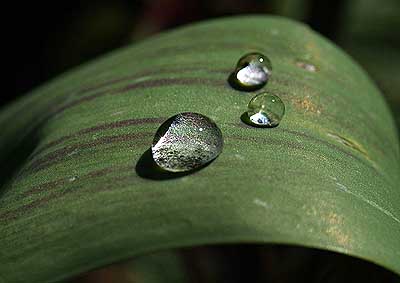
252	72
265	110
186	141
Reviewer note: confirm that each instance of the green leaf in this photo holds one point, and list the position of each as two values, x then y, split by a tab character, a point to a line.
326	177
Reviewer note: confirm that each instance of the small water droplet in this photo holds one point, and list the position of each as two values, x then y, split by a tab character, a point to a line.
186	141
306	66
252	72
265	110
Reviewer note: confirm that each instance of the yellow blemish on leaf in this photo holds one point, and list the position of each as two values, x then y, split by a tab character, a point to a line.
350	143
307	105
335	222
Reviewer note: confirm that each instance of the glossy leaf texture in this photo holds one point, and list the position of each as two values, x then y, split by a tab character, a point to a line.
77	193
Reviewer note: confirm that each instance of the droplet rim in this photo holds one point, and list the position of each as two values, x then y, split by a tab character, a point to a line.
246	117
166	124
235	83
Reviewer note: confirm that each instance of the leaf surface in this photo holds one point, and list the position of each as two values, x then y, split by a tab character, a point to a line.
77	193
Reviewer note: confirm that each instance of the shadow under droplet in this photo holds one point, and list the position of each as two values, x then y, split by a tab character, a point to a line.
147	168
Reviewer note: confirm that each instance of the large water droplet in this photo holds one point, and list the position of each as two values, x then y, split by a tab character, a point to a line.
252	72
265	110
186	141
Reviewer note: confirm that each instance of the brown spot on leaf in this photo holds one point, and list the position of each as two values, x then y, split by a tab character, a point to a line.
307	105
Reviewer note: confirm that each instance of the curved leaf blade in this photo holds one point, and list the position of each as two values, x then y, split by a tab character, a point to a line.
327	177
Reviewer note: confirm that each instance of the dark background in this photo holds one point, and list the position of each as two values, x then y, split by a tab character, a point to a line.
47	38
